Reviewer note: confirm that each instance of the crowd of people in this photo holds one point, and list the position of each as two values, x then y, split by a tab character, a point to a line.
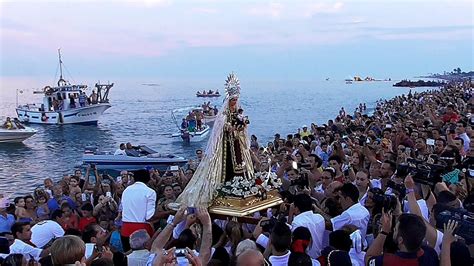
391	188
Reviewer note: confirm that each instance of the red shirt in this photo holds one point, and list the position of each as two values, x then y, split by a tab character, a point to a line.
450	118
85	221
71	222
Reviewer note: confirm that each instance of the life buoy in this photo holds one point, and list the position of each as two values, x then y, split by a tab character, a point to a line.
48	90
44	118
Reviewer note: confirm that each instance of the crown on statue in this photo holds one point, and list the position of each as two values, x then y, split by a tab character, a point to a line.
232	86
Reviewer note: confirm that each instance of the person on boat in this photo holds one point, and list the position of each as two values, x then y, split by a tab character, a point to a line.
184	124
215	110
8	124
199	118
227	154
120	150
131	151
17	123
72	101
93	97
55	105
82	99
217	92
210	92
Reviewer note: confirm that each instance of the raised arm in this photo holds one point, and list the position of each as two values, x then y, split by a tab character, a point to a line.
206	239
165	234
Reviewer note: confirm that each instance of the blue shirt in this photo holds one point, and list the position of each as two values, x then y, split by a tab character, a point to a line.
53	204
6	223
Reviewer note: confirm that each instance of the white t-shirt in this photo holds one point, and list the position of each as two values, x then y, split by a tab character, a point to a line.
423	207
356	215
280	260
20	247
44	231
120	152
315	224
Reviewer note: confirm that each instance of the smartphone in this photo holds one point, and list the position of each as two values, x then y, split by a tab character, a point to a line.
174	168
388	126
191	210
108	194
294	165
430	142
89	249
84	197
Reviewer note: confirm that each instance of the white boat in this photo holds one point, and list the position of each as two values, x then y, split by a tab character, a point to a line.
196	136
17	133
66	104
142	157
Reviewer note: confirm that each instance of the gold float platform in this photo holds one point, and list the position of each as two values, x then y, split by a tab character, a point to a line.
240	207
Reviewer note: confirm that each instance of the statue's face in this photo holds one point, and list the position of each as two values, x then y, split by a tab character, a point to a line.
233	101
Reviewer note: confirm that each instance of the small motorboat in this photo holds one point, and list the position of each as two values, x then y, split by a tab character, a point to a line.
208	94
141	157
16	133
192	136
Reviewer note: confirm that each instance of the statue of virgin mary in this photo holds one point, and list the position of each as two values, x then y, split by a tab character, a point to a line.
227	154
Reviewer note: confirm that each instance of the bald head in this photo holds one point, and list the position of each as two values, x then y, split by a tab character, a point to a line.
250	257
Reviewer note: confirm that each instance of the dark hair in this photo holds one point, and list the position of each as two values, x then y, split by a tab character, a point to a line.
56	214
335	158
102	262
299	259
341	240
281	237
339	257
89	233
87	207
412	229
13	260
350	190
303	202
392	164
317	160
460	255
221	255
186	239
141	176
217	232
17	199
18	228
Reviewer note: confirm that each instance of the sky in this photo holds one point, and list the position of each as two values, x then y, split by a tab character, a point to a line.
259	39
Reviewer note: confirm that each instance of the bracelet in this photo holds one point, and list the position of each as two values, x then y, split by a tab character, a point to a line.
409	190
383	233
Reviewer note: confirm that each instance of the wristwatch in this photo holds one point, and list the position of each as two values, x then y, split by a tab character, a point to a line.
383	233
409	190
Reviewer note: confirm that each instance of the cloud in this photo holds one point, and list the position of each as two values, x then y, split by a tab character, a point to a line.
322	7
205	10
273	10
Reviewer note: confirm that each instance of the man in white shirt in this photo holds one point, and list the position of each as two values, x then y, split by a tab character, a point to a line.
121	150
354	213
22	234
302	208
45	231
138	203
280	241
461	132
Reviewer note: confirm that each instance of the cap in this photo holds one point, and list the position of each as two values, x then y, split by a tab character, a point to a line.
277	135
305	126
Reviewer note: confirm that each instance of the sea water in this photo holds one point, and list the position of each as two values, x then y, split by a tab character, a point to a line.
141	114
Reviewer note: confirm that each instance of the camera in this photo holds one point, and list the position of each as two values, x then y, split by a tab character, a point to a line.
387	202
180	252
464	218
422	172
